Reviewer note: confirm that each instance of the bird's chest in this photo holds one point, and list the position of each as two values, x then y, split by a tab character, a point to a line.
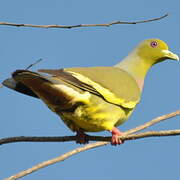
96	116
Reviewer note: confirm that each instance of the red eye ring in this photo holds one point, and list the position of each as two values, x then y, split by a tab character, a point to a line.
154	44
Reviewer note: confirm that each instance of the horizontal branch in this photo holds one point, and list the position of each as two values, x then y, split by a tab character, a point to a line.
81	25
90	138
91	146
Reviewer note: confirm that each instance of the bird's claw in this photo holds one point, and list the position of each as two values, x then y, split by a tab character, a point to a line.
115	140
82	138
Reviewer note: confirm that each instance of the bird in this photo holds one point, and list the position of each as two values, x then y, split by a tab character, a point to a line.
94	99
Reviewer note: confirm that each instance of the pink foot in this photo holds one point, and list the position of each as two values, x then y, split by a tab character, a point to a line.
115	134
81	137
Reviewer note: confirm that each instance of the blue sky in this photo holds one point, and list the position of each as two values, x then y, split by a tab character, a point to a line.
152	158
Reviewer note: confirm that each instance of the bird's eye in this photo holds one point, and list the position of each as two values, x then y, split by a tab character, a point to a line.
154	44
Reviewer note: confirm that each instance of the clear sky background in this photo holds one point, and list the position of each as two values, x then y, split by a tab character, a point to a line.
152	158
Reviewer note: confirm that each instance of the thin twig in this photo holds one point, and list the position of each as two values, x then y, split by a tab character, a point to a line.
91	138
33	64
81	25
154	121
52	161
91	146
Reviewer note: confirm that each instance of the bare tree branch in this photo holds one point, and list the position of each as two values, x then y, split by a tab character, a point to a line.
81	25
90	146
127	136
52	161
154	121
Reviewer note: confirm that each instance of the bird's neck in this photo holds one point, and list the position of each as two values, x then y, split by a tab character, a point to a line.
136	67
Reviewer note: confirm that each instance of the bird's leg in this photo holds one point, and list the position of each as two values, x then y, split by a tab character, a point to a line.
81	137
115	136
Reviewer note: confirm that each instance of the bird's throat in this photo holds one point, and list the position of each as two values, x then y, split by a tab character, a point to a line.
136	67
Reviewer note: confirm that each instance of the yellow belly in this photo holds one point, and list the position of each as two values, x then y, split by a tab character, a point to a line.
98	115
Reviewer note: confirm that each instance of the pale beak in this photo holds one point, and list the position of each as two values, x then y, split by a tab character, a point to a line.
170	55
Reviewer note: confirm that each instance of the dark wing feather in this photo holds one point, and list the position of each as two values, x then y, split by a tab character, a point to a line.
68	78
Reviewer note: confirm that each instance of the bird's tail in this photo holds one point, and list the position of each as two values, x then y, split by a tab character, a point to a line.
18	86
50	89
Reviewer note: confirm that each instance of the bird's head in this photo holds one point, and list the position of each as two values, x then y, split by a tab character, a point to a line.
154	51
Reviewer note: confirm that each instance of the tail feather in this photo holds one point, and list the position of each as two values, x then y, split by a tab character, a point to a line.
50	89
14	83
19	87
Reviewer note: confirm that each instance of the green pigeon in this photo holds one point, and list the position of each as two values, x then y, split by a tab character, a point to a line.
93	99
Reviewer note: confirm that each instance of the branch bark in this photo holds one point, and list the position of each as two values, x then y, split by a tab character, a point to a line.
127	136
81	25
90	146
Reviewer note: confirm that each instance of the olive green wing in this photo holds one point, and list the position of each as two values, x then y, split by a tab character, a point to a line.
112	84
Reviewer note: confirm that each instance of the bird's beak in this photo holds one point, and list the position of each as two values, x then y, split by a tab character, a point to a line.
168	54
